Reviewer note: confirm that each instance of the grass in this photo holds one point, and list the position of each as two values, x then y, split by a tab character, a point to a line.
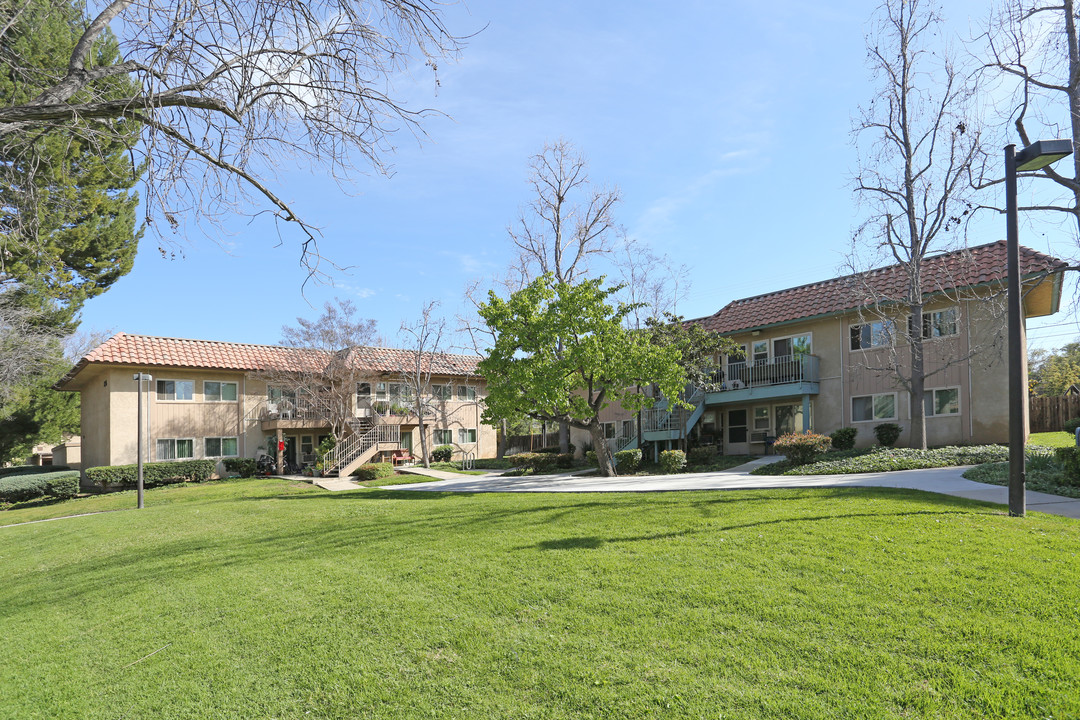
1048	480
265	599
1052	439
879	459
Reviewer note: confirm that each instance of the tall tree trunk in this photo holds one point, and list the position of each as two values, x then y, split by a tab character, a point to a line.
564	437
603	452
918	381
501	449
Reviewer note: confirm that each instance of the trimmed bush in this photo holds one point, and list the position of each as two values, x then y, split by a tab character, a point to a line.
32	469
1071	425
887	433
373	471
245	467
442	453
565	460
590	457
702	455
672	461
154	474
534	462
844	438
1070	461
802	448
27	486
628	460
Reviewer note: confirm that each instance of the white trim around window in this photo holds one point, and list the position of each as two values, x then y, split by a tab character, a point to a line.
174	449
175	390
442	436
466	436
224	389
941	402
879	407
870	335
215	447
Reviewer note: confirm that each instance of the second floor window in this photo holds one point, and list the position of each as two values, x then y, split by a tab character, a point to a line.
871	335
442	392
363	391
175	389
219	391
939	323
466	392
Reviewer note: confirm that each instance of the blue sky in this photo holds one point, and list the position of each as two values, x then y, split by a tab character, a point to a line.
726	127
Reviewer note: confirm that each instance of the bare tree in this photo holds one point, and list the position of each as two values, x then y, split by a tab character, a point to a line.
27	347
1032	51
916	149
653	285
321	375
226	90
423	341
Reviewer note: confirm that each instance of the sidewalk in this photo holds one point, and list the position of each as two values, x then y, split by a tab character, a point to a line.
947	481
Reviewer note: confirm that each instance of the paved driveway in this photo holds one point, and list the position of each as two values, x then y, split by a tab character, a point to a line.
948	481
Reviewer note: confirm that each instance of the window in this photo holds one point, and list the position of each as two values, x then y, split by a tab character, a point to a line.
791	347
627	428
380	391
175	449
761	418
363	391
873	407
307	449
466	392
939	323
442	392
871	335
609	429
739	356
219	447
789	418
761	352
466	435
219	391
443	437
400	391
277	394
941	401
175	389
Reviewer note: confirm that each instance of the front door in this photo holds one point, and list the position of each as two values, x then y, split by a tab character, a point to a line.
290	452
736	433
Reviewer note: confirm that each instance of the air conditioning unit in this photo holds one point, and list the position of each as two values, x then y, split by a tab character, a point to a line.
737	385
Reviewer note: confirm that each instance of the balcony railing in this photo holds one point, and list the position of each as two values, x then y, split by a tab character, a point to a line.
777	371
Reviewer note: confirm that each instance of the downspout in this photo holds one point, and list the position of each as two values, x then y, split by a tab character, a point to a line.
970	397
243	415
843	384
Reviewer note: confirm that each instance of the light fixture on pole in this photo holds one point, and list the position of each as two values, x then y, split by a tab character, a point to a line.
139	378
1033	157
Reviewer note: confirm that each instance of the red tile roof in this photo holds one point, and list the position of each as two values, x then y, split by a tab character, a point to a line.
124	349
948	271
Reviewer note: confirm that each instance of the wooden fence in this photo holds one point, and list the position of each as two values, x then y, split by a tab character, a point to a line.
1047	414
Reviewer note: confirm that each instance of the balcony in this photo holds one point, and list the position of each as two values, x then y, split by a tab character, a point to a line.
774	378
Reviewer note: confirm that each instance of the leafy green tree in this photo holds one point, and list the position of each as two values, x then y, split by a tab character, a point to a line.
67	208
1052	372
562	354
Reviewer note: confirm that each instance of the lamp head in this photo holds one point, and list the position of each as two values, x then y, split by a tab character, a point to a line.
1042	153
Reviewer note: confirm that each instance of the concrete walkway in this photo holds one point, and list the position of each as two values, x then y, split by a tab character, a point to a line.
948	481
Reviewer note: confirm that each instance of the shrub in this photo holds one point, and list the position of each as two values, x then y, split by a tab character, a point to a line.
27	486
590	457
373	471
442	453
1070	461
534	462
802	448
844	438
565	460
245	467
32	469
702	455
1071	425
628	460
154	474
672	461
887	433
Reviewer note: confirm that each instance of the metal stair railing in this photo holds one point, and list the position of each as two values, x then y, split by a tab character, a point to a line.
658	419
353	446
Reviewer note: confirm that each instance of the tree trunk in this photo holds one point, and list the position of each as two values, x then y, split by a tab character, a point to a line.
917	439
423	434
564	437
501	445
603	453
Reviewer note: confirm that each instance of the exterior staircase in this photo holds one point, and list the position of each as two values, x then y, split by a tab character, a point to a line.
357	448
664	424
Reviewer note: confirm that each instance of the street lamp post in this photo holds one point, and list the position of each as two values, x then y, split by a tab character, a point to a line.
139	378
1033	157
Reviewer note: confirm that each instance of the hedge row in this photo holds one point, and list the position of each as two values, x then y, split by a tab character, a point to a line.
32	469
154	474
27	486
373	471
541	461
245	467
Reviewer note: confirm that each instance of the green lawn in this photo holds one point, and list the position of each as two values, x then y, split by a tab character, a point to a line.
264	599
1052	439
